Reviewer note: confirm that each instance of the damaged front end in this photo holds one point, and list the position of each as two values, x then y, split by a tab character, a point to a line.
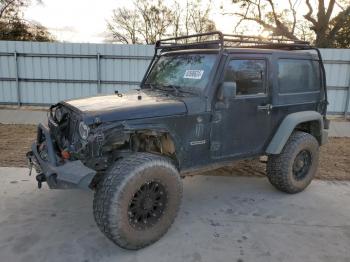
59	153
53	169
72	153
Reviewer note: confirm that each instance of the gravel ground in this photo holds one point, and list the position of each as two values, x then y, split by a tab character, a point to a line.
15	141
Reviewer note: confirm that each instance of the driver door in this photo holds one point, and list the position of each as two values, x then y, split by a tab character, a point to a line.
242	126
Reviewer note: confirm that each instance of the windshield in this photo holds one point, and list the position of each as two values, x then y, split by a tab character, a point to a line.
185	71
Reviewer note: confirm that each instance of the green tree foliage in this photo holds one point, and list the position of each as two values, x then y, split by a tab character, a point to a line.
14	27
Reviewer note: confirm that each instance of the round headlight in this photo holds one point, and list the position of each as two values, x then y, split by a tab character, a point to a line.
83	130
58	114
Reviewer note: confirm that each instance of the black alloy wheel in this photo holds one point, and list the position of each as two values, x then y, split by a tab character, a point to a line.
302	164
147	205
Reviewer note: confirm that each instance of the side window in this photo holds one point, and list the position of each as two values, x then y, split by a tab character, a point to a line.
248	74
298	75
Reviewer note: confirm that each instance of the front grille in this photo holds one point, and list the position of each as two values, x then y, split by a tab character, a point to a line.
73	126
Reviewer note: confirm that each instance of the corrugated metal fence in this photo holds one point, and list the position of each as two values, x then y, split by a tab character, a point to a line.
337	65
44	73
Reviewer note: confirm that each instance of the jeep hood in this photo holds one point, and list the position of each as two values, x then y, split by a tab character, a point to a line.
135	105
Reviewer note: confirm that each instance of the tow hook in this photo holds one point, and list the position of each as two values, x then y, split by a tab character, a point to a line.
40	178
29	156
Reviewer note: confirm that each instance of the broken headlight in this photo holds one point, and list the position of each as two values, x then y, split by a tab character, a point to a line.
84	130
58	114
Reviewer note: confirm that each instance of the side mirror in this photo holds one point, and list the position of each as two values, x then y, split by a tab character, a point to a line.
226	91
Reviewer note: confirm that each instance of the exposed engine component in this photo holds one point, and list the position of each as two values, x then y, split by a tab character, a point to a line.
153	143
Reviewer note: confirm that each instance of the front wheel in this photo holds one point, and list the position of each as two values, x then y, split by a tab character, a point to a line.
293	169
137	200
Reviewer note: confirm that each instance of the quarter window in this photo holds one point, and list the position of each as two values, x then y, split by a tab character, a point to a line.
249	76
296	76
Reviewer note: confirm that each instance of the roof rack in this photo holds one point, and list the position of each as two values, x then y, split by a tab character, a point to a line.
218	40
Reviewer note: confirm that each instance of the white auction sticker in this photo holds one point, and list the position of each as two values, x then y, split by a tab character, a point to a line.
194	74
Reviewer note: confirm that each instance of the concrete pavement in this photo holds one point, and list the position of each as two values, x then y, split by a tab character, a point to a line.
221	219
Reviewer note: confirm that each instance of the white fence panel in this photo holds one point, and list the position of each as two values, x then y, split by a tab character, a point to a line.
337	65
44	73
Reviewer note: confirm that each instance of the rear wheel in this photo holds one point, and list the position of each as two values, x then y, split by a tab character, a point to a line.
293	169
137	200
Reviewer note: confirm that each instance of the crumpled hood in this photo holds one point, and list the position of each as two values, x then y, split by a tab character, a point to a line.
127	106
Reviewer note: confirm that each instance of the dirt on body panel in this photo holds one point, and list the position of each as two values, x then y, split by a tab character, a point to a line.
15	141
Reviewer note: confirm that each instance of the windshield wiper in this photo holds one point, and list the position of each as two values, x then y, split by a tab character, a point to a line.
149	84
177	89
153	86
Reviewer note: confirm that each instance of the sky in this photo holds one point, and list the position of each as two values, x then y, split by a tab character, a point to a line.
85	20
74	20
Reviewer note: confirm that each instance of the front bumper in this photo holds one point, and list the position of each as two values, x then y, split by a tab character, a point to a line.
71	174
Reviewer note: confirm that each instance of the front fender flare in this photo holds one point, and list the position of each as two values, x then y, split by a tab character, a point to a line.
288	125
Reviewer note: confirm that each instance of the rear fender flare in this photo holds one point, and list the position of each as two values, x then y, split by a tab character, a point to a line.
288	125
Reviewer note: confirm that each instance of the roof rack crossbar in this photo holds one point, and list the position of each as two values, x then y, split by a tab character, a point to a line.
216	39
209	38
243	38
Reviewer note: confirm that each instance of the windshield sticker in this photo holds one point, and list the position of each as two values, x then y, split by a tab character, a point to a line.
194	74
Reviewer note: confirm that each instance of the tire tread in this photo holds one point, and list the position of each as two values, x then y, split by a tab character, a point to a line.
112	183
277	165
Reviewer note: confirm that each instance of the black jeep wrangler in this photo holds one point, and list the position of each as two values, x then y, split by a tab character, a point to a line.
205	101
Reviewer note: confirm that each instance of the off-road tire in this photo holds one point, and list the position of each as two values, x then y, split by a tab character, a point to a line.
117	189
279	168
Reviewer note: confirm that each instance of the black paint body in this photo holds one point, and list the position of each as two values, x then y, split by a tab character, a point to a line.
238	130
206	132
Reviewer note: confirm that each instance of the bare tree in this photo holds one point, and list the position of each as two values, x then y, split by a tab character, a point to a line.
324	22
124	26
324	26
177	16
199	21
264	13
193	18
156	18
149	21
145	23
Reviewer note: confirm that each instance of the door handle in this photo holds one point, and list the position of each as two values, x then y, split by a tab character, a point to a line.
266	107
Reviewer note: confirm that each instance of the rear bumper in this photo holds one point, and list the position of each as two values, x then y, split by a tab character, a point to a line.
71	174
